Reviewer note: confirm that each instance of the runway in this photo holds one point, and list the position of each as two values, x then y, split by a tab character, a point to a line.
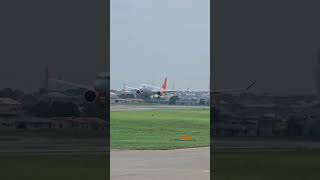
263	144
20	144
127	107
183	164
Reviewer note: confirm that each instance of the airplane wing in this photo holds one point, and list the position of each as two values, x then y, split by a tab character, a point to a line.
233	90
164	91
169	91
71	84
131	88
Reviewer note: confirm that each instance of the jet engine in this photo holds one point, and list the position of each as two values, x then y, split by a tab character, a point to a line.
90	96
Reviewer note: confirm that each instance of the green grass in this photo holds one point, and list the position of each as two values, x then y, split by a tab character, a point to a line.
53	167
159	129
266	165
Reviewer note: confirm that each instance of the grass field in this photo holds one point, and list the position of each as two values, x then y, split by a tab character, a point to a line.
53	167
159	129
266	165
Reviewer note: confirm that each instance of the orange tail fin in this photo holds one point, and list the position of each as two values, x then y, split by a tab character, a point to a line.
164	87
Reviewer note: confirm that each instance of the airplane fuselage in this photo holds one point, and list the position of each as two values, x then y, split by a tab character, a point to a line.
146	91
149	91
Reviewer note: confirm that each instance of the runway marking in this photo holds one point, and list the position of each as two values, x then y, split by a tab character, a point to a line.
177	170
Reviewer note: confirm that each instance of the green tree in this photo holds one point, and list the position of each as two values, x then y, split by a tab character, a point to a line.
41	109
173	100
95	110
64	109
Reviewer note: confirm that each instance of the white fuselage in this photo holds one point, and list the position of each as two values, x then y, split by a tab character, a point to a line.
147	91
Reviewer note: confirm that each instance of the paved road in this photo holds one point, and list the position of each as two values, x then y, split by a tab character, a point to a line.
20	144
183	164
264	144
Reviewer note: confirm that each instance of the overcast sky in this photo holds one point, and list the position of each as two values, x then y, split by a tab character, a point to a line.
272	41
152	39
66	36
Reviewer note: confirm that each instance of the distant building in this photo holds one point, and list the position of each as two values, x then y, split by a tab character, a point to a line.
32	123
79	123
59	124
10	107
264	115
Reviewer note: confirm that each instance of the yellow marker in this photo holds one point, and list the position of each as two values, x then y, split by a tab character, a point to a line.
186	138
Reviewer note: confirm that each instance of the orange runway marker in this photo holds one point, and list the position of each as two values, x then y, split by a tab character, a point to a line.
186	138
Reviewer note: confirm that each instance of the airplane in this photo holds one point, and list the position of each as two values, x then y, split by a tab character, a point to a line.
149	91
95	93
100	88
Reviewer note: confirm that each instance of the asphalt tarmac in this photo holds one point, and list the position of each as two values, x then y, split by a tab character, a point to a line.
126	107
182	164
264	144
20	144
